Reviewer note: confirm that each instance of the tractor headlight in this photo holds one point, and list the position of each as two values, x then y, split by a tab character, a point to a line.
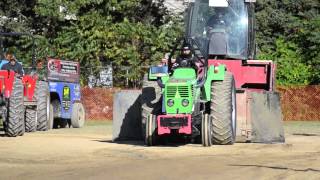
185	102
170	102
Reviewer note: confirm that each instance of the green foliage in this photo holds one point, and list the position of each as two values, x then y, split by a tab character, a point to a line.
289	31
308	38
132	34
290	69
14	15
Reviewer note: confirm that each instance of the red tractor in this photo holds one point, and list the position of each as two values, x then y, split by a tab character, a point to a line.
24	99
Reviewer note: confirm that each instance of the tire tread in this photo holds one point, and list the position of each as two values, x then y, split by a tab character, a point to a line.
221	111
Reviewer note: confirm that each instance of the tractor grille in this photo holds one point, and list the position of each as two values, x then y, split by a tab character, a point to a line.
192	90
182	90
171	91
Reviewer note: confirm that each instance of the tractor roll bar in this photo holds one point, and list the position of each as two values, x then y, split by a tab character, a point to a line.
190	42
205	63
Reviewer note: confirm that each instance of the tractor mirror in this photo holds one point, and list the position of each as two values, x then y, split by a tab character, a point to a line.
218	3
158	71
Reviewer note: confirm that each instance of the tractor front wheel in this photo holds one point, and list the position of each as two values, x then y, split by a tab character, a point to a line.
206	131
151	102
150	138
223	110
78	115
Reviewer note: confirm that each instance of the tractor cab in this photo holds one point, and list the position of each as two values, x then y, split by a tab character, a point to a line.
223	28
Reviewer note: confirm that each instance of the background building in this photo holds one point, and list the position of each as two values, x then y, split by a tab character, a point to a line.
176	6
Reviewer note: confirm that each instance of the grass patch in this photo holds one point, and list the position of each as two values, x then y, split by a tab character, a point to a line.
91	127
105	128
98	123
302	127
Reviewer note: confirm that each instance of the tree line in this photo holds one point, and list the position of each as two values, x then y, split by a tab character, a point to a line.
137	33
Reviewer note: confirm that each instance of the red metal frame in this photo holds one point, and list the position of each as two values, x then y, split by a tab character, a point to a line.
6	82
251	74
244	127
29	83
182	130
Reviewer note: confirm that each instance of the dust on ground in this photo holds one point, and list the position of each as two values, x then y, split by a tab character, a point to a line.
88	153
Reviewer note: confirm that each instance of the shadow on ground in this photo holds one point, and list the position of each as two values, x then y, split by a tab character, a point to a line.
305	134
277	167
141	143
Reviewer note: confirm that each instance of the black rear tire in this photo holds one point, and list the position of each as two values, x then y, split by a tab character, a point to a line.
223	111
30	120
14	124
43	105
151	101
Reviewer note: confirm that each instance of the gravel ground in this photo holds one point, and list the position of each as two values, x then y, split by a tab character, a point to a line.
88	153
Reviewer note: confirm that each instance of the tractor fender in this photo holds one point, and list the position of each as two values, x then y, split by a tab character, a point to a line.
214	73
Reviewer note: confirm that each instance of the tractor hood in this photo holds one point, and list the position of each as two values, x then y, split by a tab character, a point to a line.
179	91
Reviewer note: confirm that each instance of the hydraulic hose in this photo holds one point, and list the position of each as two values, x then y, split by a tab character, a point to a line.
160	83
203	80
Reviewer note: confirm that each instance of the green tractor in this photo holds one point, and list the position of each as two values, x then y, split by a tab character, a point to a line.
195	95
181	103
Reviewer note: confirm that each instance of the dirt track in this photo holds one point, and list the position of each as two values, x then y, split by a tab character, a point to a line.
89	154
